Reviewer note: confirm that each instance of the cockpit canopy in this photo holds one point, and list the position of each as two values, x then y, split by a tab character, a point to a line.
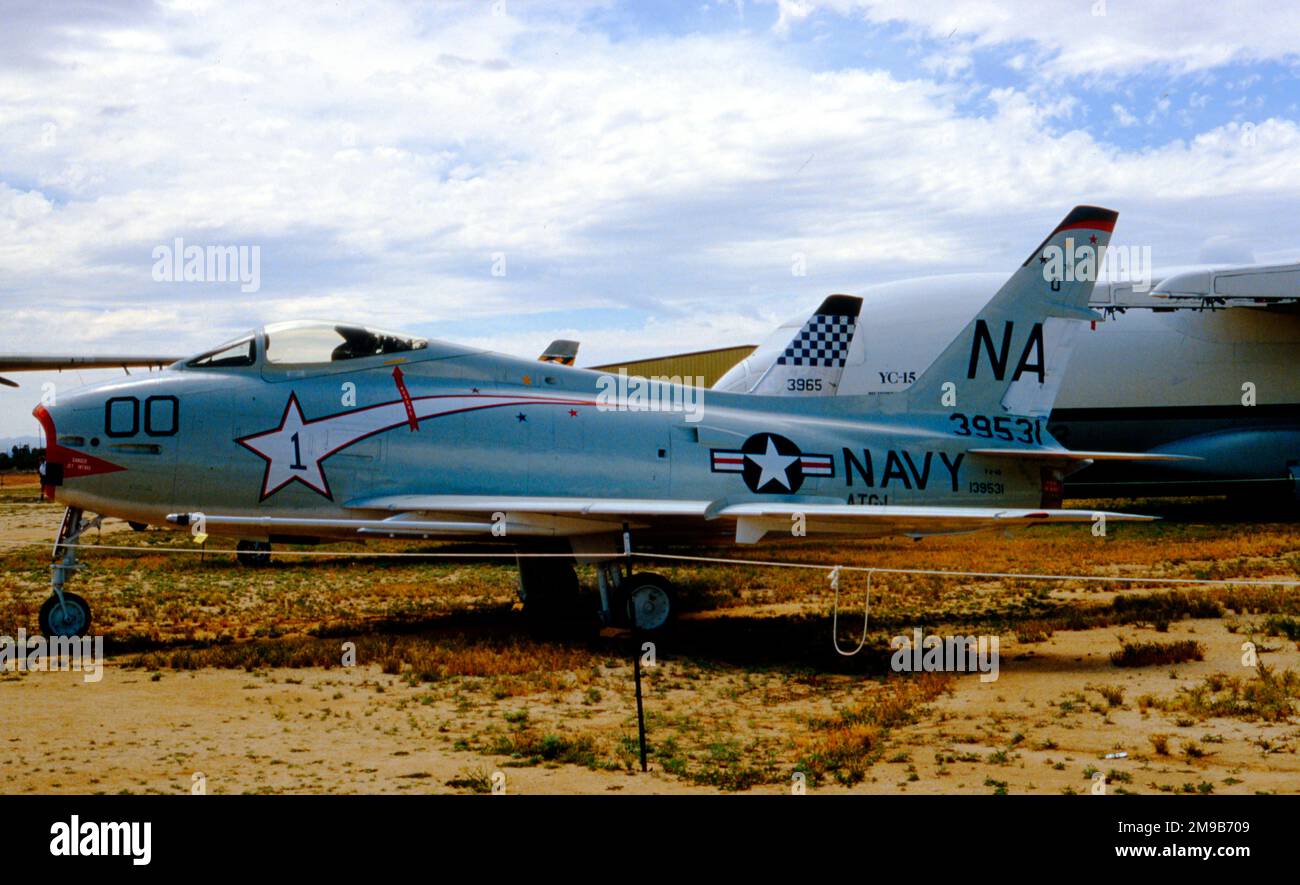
300	343
307	343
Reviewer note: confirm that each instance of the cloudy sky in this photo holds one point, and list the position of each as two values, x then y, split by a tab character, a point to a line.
649	176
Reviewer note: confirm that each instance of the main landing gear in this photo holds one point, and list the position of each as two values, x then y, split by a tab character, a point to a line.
643	600
254	554
66	614
552	598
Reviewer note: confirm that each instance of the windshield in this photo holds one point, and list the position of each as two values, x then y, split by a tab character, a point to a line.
300	343
233	353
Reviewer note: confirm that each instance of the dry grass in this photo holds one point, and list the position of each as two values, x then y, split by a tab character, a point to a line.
1269	696
843	746
1147	654
518	665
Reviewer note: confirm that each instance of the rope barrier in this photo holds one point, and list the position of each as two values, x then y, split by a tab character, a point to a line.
715	560
835	615
1029	576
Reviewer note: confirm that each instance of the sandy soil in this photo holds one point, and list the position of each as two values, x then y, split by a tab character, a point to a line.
981	719
359	730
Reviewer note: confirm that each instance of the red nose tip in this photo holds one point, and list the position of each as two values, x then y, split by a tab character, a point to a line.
63	463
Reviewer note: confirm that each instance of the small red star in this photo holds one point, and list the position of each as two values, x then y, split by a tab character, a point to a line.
1092	239
573	413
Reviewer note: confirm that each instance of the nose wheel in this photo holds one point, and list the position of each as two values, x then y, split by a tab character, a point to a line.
66	614
67	617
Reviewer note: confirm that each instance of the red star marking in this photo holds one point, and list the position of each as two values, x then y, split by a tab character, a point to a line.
1092	239
573	413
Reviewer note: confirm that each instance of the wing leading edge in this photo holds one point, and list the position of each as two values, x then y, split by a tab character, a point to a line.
45	363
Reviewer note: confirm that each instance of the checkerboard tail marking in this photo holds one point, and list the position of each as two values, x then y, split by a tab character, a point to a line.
824	340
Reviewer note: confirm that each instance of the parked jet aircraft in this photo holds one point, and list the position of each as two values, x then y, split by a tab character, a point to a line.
1205	364
313	431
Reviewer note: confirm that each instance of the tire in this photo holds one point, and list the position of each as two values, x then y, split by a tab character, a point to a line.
254	554
73	619
554	606
650	597
137	526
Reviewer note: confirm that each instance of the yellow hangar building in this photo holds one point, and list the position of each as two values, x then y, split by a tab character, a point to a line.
707	364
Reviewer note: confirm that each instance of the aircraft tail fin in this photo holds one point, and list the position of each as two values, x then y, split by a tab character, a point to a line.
560	351
813	362
1012	356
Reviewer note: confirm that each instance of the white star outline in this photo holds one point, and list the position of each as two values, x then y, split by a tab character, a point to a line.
289	459
774	466
277	447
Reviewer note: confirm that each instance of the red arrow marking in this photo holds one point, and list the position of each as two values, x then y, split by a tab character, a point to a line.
406	399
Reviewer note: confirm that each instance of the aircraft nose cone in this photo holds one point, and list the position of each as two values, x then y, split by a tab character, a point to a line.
51	468
62	462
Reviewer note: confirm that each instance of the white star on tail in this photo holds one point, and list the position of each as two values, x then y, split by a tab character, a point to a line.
774	466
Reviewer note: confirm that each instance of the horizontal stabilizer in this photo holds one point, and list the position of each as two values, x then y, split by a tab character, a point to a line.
1068	455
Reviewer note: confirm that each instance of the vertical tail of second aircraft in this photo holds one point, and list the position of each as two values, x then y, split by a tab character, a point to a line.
813	361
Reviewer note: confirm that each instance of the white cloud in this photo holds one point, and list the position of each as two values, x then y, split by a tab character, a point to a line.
1087	36
1122	116
380	159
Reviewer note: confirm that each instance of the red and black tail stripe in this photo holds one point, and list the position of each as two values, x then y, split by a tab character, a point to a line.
1080	218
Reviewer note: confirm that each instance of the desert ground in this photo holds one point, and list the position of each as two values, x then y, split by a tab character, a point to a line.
377	675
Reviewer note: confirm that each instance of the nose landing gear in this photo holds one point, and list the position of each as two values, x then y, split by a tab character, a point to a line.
66	614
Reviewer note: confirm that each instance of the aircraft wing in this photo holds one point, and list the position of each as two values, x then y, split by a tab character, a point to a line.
1248	285
425	516
10	362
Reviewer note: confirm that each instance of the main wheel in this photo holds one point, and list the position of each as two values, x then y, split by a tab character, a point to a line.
553	603
547	584
70	619
649	601
138	526
254	554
